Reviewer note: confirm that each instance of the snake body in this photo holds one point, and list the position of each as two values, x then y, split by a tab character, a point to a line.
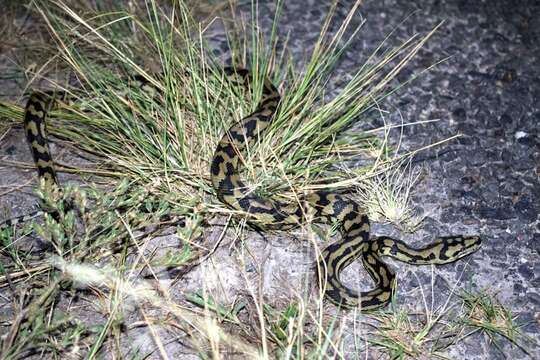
273	214
326	207
35	114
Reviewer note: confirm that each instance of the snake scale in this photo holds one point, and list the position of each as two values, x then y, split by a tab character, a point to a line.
269	213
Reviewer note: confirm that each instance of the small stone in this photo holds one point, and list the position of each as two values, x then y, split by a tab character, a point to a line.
520	134
527	140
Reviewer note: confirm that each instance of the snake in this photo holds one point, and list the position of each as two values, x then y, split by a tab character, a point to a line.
321	206
37	107
273	214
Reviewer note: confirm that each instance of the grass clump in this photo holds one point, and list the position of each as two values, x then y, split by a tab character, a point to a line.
484	313
431	331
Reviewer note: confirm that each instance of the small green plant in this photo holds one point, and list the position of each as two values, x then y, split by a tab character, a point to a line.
280	323
484	313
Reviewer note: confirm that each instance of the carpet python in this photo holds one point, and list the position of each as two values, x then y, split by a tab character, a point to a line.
323	206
